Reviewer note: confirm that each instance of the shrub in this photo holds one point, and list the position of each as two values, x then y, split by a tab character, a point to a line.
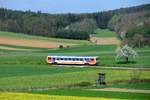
60	46
84	84
81	84
69	34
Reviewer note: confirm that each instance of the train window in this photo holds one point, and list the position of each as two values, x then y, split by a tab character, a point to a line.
58	58
81	59
86	59
69	59
73	59
61	59
77	59
65	59
92	58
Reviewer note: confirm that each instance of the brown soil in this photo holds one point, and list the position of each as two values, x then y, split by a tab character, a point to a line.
122	90
31	43
105	41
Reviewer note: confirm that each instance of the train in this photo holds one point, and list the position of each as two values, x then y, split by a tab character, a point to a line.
73	60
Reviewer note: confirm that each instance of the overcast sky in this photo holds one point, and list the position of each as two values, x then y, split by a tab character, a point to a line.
72	6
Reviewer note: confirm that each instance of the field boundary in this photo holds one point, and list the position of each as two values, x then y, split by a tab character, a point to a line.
103	67
122	90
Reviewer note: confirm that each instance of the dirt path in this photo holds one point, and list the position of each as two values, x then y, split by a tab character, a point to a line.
122	90
31	43
105	40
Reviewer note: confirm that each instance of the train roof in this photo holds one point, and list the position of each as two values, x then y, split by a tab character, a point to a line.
75	56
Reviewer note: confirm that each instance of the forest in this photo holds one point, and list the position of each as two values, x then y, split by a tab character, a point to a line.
129	23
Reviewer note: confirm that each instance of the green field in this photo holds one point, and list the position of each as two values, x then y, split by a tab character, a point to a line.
143	85
65	81
104	33
87	93
106	54
44	76
27	71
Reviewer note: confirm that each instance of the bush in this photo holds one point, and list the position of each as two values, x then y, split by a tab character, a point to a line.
69	34
84	84
60	46
81	84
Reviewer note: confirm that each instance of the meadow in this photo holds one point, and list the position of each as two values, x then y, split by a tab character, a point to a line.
27	71
24	77
104	33
106	55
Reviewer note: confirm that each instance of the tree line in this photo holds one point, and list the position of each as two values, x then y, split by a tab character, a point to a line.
133	28
72	26
50	25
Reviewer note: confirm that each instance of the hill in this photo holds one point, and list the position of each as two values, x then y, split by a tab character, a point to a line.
20	41
16	41
133	28
71	26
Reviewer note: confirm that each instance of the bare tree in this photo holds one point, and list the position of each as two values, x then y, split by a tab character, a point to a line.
139	40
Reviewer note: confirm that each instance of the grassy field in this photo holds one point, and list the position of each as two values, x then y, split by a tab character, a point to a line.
143	85
106	54
61	80
24	77
27	71
104	33
87	93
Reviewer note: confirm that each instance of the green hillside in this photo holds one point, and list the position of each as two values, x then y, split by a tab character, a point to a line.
133	28
104	33
27	36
